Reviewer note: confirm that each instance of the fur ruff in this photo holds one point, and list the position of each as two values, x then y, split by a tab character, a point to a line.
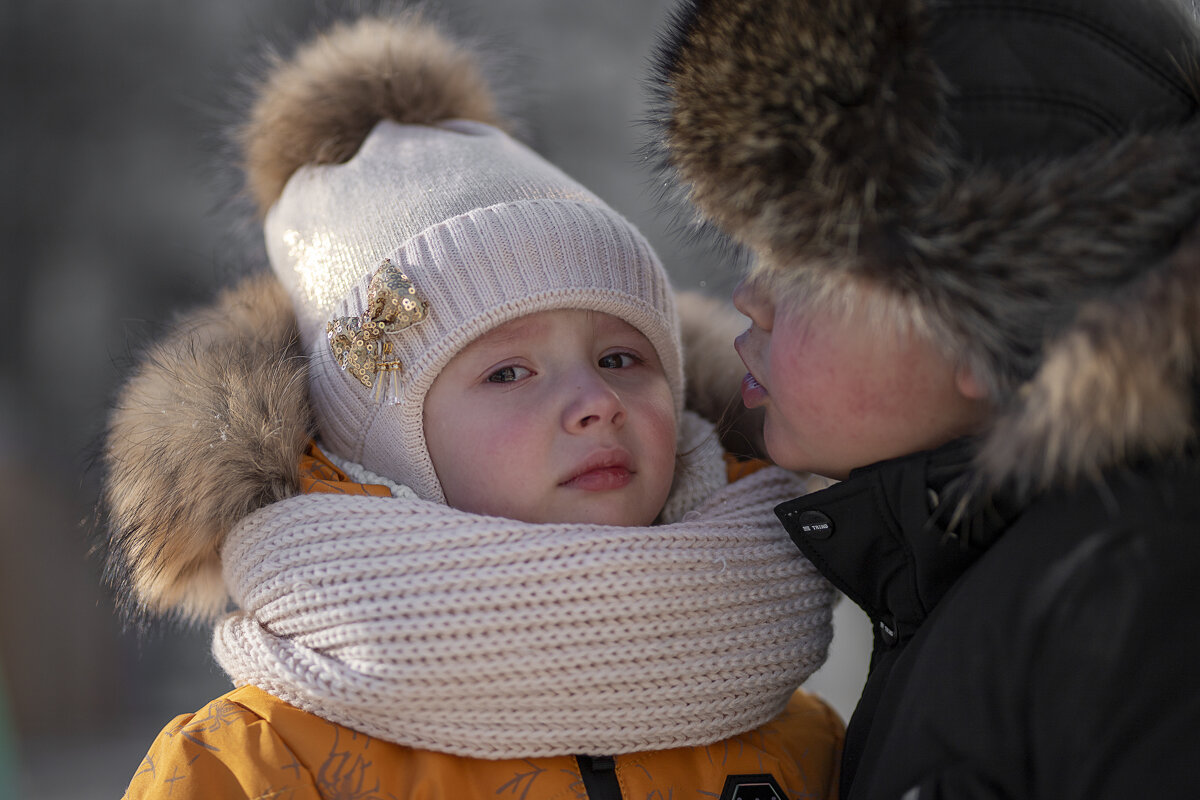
835	97
209	427
318	106
815	135
1116	388
212	423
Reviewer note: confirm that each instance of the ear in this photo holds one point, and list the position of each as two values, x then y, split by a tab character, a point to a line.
967	384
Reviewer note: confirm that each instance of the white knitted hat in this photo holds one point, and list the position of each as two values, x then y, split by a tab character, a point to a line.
485	231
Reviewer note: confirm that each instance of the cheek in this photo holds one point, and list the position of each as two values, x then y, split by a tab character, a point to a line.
831	392
838	372
809	374
659	437
473	450
655	409
502	442
664	433
900	382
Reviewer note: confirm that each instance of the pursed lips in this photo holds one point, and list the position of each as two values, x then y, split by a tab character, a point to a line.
739	344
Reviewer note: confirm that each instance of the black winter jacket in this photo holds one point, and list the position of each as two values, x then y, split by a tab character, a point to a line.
1055	655
1020	179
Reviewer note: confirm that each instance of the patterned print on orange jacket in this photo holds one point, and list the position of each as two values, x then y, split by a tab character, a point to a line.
248	744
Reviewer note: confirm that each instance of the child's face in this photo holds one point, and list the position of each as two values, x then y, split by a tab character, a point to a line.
558	416
839	394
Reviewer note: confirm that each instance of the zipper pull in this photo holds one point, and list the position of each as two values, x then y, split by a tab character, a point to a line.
599	774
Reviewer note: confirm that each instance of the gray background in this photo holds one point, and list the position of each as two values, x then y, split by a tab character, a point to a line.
120	208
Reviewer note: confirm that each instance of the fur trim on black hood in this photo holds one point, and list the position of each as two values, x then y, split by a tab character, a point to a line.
1022	179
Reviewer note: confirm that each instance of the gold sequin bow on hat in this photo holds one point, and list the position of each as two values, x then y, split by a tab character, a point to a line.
357	342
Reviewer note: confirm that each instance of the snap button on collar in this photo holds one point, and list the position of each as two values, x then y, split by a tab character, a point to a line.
814	524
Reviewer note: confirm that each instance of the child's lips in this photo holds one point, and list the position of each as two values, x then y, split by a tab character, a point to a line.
602	472
753	392
603	479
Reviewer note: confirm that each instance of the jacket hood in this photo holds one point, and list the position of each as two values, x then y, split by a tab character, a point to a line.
213	421
208	428
1022	181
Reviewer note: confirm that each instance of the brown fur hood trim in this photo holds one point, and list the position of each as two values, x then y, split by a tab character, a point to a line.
213	421
209	427
318	106
829	138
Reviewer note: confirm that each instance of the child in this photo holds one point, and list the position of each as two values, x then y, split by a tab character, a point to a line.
976	298
492	356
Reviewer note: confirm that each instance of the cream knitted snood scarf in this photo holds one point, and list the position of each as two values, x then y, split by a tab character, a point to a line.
434	628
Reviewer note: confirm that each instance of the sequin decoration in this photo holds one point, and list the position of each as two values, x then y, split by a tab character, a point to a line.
357	342
321	286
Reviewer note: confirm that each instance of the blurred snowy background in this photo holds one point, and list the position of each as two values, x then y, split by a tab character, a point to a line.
119	209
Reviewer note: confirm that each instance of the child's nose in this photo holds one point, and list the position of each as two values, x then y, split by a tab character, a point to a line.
752	299
593	403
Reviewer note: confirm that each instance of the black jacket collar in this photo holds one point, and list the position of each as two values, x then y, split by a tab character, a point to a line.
883	536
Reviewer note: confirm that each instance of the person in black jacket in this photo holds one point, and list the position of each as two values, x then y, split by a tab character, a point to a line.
975	300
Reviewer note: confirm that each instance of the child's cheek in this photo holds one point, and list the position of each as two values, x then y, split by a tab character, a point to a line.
502	437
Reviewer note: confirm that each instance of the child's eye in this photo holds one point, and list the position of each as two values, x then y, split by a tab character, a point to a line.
508	374
618	360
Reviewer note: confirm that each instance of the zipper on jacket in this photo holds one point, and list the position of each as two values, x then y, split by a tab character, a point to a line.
599	775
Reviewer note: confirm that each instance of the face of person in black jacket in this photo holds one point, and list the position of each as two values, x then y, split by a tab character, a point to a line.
844	390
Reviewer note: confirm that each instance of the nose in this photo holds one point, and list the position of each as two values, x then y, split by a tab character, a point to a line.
753	300
593	404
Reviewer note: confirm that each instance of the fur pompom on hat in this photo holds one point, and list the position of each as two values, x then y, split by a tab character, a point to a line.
319	106
404	224
1018	178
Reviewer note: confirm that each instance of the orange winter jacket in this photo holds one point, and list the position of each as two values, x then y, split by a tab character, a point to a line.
248	744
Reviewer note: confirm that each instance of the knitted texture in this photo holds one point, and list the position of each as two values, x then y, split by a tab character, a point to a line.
701	471
487	231
485	637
